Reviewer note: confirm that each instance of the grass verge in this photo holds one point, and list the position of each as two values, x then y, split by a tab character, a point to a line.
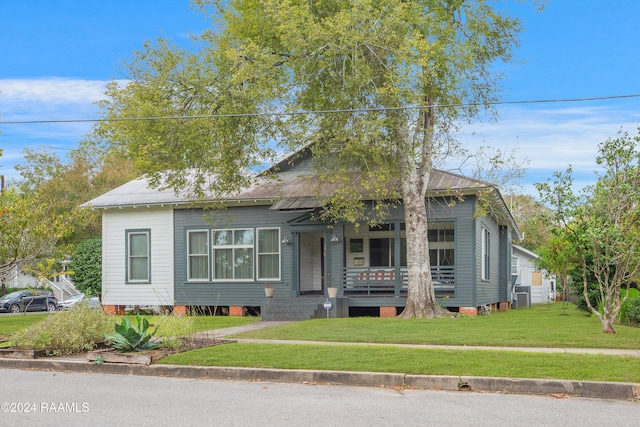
513	364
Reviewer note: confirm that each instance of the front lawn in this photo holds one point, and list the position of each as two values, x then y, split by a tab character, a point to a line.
545	325
540	326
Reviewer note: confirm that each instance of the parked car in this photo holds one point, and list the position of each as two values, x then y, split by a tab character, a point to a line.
67	303
28	300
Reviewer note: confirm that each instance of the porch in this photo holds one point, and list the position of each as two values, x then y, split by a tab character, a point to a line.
380	281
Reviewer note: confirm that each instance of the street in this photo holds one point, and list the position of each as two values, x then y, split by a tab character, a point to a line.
55	398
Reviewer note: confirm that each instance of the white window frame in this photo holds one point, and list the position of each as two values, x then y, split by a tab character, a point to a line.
233	247
207	255
258	253
130	257
486	254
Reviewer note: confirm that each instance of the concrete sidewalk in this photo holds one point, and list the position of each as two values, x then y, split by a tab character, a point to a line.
558	388
231	332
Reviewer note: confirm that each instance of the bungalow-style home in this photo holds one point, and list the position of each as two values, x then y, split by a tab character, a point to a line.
528	278
160	248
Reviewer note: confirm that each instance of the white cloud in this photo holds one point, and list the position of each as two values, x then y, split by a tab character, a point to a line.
50	91
554	137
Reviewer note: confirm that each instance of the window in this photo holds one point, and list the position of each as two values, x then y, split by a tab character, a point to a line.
514	265
268	253
486	254
233	254
197	255
441	244
138	257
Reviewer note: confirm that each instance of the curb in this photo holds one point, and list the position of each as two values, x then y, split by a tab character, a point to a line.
559	388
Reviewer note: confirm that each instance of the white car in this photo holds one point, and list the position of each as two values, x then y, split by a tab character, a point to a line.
67	303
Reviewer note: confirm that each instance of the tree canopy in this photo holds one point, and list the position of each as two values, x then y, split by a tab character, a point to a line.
602	225
376	86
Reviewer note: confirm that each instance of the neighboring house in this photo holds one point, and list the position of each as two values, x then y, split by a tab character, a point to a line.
160	248
527	277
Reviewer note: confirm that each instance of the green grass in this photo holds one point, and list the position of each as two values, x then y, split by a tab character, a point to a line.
10	324
205	323
416	361
540	326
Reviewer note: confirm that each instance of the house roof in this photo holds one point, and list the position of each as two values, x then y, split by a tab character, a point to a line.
292	189
526	251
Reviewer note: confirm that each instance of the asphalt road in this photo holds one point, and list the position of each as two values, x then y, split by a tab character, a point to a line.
78	399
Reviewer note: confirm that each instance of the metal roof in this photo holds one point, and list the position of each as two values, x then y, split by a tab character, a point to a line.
288	190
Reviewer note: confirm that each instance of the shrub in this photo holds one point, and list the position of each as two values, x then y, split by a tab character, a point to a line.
594	298
86	264
622	316
632	312
130	338
68	332
175	331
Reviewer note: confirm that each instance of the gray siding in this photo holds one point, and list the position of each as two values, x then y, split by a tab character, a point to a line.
212	293
487	291
470	291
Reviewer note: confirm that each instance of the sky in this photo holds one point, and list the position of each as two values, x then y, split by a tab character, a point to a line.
56	57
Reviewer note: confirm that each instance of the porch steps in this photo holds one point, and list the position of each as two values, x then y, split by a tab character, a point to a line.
302	308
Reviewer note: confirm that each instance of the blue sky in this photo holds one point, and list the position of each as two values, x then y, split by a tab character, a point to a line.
56	57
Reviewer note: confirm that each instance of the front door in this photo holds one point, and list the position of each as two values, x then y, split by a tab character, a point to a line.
311	256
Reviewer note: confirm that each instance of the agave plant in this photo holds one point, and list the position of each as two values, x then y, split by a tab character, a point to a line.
129	338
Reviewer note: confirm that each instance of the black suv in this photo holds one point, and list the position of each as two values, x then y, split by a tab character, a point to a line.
28	300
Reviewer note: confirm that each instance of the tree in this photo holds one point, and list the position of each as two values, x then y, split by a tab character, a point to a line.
29	230
86	264
65	186
359	68
557	257
602	224
530	216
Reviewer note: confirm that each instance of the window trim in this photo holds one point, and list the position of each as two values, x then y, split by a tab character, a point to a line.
128	234
207	255
257	254
486	254
233	247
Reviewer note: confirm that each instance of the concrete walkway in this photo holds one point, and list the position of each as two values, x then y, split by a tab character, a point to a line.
236	330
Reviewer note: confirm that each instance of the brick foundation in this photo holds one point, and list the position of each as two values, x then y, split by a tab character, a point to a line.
469	311
502	306
388	312
114	309
110	309
236	310
180	310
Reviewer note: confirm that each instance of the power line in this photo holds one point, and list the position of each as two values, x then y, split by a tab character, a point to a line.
317	112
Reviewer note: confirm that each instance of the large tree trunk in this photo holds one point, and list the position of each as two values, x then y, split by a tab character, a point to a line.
421	300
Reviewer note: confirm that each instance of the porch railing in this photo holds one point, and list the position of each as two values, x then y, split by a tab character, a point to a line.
381	280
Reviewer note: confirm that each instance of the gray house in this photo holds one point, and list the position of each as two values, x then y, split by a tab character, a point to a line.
160	248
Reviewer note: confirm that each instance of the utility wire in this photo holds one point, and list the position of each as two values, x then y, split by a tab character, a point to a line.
337	111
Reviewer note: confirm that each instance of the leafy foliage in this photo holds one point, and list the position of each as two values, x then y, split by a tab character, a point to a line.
86	264
68	332
633	310
174	331
601	225
29	228
129	338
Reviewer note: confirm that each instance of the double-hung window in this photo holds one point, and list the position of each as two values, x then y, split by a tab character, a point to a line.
198	255
138	256
233	254
486	254
268	253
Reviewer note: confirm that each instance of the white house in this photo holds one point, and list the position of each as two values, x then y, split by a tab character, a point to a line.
525	273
